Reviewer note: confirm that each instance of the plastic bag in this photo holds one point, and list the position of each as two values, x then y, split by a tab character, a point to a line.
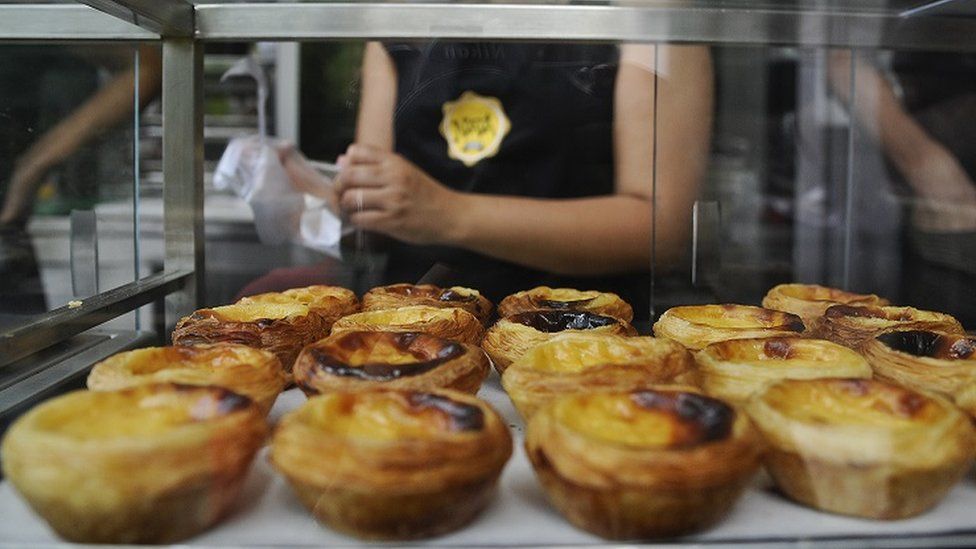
251	168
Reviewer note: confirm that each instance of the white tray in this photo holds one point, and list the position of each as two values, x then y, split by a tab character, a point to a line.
269	514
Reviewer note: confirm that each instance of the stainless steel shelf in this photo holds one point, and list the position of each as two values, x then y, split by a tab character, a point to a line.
861	24
712	22
163	17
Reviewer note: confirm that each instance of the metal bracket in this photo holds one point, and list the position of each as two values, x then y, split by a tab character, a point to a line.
167	18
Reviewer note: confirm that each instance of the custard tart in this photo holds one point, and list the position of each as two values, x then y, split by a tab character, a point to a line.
392	464
811	301
852	326
566	299
642	464
150	464
921	359
246	371
512	336
581	362
862	447
736	369
281	328
448	323
401	360
403	295
330	303
697	326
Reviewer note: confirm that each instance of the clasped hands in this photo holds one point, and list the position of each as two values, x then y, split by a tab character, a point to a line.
381	191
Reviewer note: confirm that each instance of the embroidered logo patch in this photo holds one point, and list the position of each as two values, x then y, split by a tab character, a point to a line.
474	127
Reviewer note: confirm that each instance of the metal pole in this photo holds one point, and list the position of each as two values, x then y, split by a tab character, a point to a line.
183	170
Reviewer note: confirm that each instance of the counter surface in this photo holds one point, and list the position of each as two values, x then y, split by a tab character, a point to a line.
269	514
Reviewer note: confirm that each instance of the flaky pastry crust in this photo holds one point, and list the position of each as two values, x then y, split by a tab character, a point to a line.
642	464
363	361
393	464
697	326
582	362
734	370
921	359
566	299
862	447
244	370
811	301
853	326
403	295
151	464
448	323
509	338
330	303
281	328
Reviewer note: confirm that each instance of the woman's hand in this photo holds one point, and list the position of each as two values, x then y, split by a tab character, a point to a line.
382	191
946	196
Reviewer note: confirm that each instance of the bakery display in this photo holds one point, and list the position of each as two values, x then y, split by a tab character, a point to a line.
582	362
448	323
631	437
403	360
851	326
642	464
244	370
697	326
922	359
151	464
392	464
566	299
810	301
329	303
281	328
735	369
862	447
403	295
509	338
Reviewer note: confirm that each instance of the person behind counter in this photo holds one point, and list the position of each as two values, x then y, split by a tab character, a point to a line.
516	165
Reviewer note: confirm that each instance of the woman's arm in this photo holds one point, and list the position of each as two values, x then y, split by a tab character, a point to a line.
946	196
587	236
103	110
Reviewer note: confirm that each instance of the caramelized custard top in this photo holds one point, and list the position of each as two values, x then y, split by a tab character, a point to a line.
937	345
144	411
392	415
382	356
648	418
863	402
558	321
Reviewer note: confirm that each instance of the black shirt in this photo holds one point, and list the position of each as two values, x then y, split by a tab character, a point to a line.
558	102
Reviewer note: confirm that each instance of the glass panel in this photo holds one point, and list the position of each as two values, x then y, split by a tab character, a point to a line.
799	190
914	173
67	154
549	136
878	6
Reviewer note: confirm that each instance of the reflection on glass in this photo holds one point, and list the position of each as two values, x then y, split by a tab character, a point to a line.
502	166
916	111
65	146
855	175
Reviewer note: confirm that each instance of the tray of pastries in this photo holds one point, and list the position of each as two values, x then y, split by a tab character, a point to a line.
429	416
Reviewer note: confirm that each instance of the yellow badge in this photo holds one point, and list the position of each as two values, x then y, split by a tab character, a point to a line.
474	127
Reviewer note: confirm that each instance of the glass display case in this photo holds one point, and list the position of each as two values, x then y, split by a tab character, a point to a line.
674	153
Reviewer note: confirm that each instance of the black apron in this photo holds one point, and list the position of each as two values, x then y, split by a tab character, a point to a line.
559	101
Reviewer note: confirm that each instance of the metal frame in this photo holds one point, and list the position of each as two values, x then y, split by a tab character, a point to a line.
183	27
183	170
658	22
65	22
165	18
67	321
